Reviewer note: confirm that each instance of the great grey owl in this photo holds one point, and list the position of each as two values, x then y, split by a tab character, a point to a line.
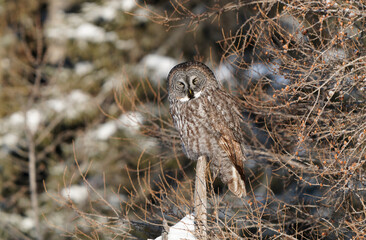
208	121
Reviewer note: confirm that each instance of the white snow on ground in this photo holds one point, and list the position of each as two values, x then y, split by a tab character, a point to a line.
331	3
125	44
84	31
105	130
83	68
77	102
334	54
72	105
56	105
158	65
281	80
9	139
115	200
23	223
77	193
27	224
16	119
141	15
127	5
106	11
34	119
130	121
223	73
90	32
95	141
93	12
293	26
81	27
78	96
259	70
114	82
183	230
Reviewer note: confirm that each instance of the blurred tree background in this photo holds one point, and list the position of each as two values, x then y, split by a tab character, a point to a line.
87	146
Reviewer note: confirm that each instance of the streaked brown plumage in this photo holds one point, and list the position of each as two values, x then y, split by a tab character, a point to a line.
208	121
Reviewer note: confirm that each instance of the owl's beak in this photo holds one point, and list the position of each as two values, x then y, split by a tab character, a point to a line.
190	93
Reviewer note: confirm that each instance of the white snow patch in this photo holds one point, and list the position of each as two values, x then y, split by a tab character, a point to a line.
71	105
148	143
90	32
9	139
27	224
57	169
116	200
93	12
34	119
293	26
334	54
16	118
111	37
74	20
130	121
125	44
106	130
23	223
183	230
56	105
127	5
159	65
281	80
331	3
141	15
81	27
78	96
77	102
258	70
58	32
114	82
83	68
78	194
223	73
107	11
84	31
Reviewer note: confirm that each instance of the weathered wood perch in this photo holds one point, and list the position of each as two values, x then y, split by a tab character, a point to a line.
200	199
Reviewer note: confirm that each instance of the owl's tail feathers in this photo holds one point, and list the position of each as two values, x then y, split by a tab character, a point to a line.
236	184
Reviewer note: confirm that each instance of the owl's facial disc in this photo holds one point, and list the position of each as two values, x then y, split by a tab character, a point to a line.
189	85
190	91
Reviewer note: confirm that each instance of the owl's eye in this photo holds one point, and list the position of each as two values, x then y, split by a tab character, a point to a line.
180	85
195	81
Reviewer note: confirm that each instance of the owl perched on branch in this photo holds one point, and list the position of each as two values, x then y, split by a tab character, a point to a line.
208	121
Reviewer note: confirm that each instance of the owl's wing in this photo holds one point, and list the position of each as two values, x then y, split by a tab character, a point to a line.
227	125
234	152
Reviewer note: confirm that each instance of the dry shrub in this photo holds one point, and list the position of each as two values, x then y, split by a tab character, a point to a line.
299	68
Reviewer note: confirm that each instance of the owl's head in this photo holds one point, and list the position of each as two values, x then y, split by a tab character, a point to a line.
187	81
